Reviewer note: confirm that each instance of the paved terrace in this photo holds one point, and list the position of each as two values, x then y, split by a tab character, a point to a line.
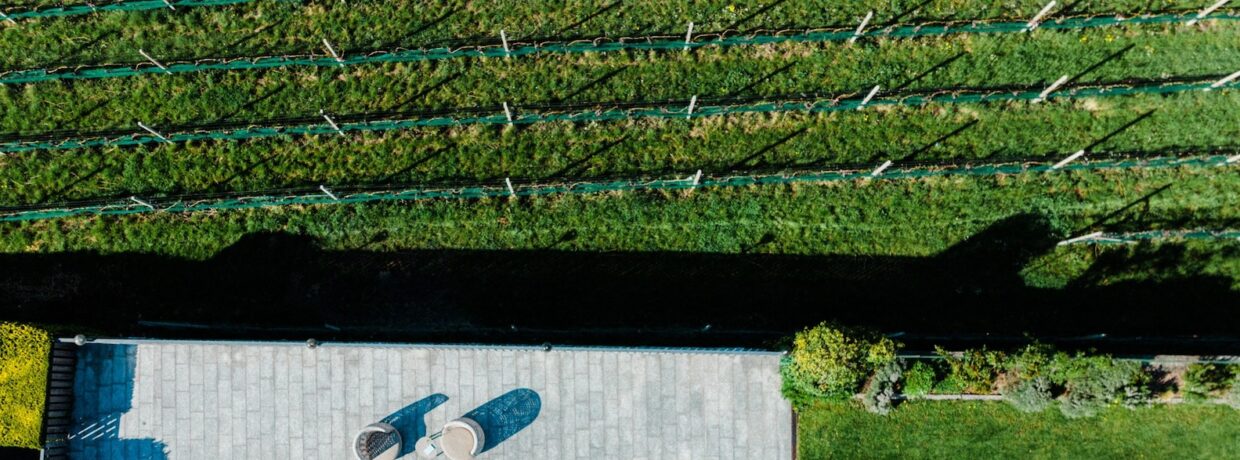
217	400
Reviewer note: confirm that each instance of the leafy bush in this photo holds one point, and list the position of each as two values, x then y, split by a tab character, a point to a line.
23	380
830	361
975	370
1232	396
1203	380
799	392
879	396
1136	395
1094	382
1030	362
919	380
1030	395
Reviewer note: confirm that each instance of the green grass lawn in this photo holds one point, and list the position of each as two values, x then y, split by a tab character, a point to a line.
23	383
976	430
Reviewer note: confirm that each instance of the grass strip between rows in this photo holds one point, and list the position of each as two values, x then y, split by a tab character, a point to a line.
1138	126
62	11
334	59
912	217
689	110
1112	55
325	196
275	27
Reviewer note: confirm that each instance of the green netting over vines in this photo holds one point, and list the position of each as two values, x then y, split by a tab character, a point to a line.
134	5
326	196
580	46
844	102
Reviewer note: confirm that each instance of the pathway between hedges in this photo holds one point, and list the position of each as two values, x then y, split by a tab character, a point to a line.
283	400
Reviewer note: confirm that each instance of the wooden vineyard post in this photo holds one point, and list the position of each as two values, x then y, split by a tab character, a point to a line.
153	61
154	132
1050	89
329	193
1207	11
332	51
861	28
1037	18
331	122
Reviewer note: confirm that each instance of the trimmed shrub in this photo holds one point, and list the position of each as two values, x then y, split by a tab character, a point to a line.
879	396
832	362
919	380
1030	395
975	370
1079	405
23	382
1204	380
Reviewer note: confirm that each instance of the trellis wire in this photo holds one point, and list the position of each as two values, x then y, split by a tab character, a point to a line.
130	5
516	48
673	109
502	190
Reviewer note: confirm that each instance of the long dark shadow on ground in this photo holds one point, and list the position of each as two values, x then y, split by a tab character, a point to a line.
283	286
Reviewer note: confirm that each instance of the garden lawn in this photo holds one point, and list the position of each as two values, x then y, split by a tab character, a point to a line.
951	429
24	352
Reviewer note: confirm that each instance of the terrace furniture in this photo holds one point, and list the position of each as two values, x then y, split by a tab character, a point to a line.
378	441
460	439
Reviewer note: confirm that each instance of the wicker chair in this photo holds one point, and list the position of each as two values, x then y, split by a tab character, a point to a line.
378	441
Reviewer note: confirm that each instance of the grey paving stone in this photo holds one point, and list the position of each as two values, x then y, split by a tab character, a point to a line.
275	401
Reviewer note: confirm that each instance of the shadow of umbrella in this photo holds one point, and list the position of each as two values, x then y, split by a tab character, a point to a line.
502	417
410	421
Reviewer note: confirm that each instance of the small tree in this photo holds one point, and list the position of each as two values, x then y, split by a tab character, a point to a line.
832	362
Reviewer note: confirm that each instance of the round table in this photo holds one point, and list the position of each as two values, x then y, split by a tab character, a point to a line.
462	439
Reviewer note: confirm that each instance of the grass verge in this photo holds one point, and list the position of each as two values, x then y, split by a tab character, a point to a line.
928	429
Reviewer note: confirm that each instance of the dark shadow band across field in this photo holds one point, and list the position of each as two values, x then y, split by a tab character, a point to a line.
283	286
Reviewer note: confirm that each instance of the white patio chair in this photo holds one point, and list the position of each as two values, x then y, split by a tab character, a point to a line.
460	439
